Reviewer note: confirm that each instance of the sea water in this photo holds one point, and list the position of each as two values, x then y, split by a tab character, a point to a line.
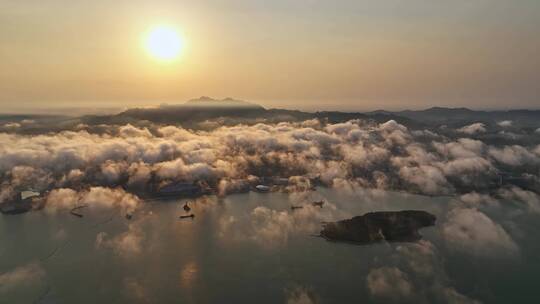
243	248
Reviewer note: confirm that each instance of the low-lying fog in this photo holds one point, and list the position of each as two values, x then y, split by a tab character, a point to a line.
253	246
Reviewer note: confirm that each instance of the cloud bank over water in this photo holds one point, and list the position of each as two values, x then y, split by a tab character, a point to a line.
387	155
493	183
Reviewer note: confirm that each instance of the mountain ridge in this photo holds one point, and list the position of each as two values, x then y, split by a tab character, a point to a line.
206	108
207	112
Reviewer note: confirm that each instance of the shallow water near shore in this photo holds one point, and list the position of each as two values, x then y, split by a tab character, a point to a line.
239	249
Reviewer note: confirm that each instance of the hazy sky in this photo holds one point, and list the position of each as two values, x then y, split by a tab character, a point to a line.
310	54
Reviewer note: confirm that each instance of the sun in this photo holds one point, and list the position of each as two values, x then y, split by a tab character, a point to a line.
164	43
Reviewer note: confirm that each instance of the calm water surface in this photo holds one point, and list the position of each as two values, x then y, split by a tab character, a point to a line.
240	249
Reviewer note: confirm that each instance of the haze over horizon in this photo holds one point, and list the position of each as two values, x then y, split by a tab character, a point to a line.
307	55
112	108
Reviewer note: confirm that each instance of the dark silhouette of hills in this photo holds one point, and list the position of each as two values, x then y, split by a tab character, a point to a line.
232	111
194	110
229	111
208	102
206	113
451	116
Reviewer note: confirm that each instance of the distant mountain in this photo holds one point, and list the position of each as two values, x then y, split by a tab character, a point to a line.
438	114
229	111
459	116
206	113
195	110
205	101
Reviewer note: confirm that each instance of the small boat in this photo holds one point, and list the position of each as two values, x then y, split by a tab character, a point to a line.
192	216
262	188
73	211
319	204
24	202
76	214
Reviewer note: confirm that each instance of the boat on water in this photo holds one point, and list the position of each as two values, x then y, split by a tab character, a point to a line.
192	216
262	188
318	204
23	202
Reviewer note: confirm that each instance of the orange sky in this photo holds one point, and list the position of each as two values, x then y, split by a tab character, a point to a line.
311	54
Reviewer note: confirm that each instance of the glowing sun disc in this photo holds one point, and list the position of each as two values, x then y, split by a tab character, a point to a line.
164	43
